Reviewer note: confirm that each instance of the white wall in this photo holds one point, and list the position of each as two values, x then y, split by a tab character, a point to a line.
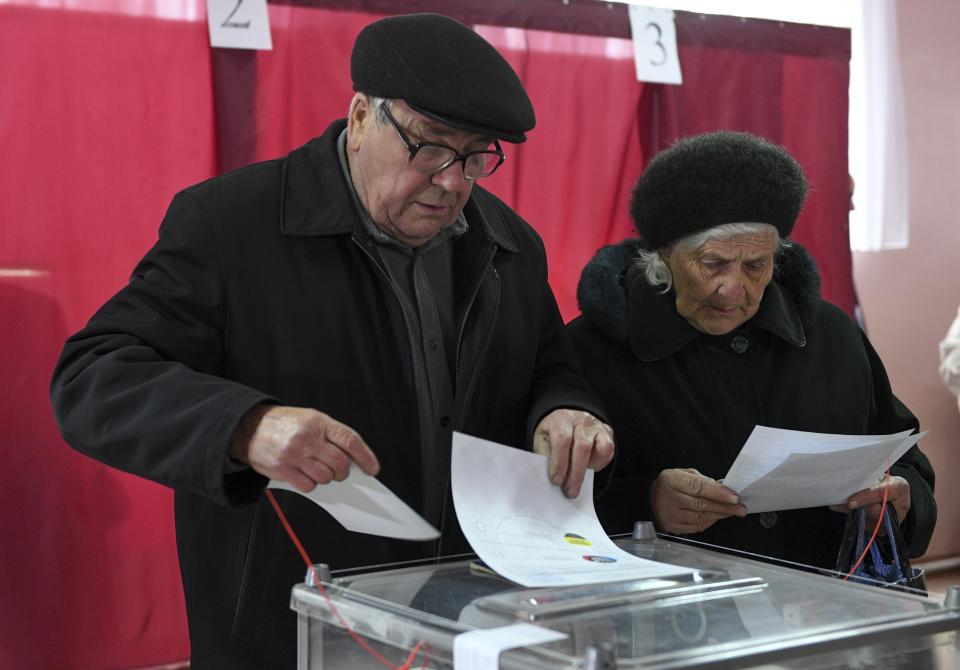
910	296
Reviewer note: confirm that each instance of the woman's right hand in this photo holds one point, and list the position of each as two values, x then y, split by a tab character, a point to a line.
685	501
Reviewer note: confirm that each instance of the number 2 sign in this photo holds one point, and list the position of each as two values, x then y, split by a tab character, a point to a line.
655	45
239	24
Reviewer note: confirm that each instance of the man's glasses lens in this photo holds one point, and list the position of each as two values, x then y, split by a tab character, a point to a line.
432	158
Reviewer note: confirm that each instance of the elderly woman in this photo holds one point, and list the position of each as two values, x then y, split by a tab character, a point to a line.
711	323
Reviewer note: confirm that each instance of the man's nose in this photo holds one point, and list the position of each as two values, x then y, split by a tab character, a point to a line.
451	178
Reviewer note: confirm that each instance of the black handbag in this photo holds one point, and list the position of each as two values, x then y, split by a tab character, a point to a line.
887	564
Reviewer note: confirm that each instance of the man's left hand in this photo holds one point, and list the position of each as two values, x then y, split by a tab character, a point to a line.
898	494
573	440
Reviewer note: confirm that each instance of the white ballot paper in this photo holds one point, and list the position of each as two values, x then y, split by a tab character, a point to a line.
526	530
790	469
364	505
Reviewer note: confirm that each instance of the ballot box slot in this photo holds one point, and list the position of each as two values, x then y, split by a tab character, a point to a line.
538	604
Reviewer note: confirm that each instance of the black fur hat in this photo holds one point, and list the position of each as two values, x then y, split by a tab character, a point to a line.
716	178
444	70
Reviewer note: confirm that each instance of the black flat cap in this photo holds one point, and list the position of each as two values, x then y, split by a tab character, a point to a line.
716	178
444	70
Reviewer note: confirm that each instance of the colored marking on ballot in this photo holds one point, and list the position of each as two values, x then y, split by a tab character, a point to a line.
599	559
573	538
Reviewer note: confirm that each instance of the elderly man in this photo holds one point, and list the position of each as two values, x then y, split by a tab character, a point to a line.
712	323
349	305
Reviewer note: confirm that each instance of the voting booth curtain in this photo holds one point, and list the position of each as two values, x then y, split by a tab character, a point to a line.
596	125
109	107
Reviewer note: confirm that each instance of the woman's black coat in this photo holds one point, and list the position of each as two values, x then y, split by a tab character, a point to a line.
678	398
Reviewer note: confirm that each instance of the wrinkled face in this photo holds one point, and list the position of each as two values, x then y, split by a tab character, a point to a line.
408	205
719	286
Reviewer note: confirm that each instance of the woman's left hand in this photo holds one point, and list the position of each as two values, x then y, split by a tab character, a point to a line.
898	494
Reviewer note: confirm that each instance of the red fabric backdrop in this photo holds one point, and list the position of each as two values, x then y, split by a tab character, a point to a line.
596	126
103	117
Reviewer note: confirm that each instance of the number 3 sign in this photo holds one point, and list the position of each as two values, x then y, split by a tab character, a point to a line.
655	45
239	24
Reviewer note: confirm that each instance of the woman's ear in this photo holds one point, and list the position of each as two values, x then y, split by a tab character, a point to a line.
664	254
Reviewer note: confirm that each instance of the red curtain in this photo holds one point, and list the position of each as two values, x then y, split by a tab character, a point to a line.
596	125
786	82
104	116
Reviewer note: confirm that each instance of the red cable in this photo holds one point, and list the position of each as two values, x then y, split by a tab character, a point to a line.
883	511
287	527
408	664
346	626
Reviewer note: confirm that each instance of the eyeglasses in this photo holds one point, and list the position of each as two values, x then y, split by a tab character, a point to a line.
430	158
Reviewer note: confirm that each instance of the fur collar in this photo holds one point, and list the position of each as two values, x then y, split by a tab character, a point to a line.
611	292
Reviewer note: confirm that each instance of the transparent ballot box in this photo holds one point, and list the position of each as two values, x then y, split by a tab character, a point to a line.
733	612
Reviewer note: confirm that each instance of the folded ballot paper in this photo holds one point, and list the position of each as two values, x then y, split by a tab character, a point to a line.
364	505
789	469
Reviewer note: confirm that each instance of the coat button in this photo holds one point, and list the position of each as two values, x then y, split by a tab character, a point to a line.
433	344
739	344
445	421
768	519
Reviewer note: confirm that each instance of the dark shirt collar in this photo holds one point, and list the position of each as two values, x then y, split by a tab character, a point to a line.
656	329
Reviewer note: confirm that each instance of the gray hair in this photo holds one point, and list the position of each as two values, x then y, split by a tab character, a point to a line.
376	104
657	272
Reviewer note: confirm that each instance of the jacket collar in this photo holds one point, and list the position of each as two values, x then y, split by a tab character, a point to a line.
316	198
656	329
616	299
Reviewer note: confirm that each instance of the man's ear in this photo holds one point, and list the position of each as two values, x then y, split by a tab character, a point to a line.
359	119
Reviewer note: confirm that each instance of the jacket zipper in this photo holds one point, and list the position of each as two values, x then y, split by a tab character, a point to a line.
245	571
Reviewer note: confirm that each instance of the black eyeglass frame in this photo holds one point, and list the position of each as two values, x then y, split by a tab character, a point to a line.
457	156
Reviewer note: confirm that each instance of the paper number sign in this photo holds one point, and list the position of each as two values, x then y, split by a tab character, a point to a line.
655	45
239	24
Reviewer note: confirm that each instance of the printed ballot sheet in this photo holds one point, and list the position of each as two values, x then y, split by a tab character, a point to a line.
781	469
362	504
526	530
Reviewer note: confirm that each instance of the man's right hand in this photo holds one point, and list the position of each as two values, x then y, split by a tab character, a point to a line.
301	446
685	501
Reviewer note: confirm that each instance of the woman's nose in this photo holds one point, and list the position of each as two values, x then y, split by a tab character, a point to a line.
731	289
